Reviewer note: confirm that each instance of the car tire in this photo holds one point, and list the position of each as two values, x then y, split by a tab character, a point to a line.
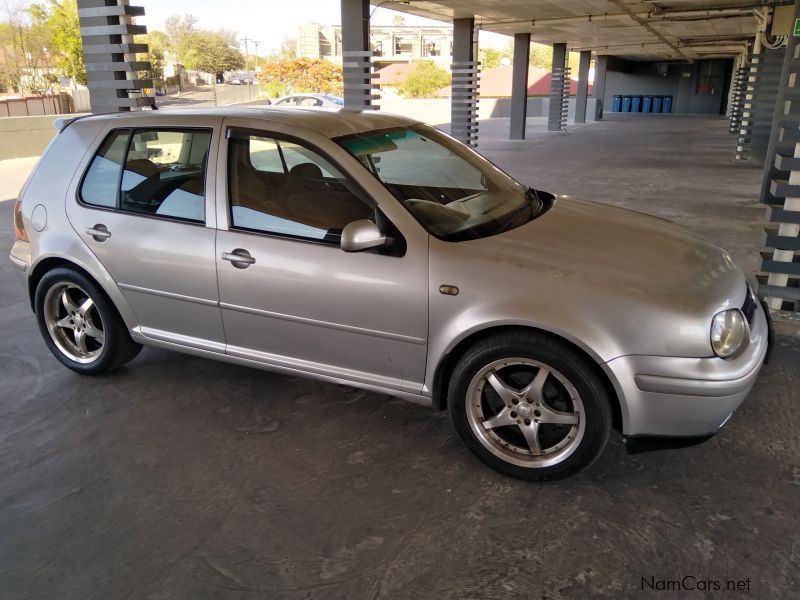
530	405
79	323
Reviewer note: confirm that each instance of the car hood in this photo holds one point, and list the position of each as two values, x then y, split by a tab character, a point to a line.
636	277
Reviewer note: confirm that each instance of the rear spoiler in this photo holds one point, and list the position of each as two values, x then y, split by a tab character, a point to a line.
63	122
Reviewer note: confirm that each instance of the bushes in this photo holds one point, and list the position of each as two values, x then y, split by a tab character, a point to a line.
424	80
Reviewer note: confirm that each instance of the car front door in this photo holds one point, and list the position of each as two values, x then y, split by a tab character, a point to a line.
289	295
141	209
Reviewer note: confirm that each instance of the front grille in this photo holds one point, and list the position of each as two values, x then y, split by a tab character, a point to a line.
749	306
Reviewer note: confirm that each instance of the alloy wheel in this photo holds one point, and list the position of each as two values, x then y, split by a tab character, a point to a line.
73	322
525	412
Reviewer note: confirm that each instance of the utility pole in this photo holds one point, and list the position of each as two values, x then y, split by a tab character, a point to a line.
246	40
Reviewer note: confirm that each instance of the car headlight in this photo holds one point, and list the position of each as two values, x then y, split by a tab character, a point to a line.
728	332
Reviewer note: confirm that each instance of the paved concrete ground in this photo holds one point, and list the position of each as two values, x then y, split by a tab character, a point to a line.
183	478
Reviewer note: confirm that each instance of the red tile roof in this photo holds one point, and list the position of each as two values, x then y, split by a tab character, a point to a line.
394	74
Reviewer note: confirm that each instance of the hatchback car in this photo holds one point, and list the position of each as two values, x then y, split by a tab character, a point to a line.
372	250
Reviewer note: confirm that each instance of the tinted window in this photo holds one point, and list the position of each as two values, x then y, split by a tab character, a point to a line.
163	174
101	182
455	193
309	101
285	188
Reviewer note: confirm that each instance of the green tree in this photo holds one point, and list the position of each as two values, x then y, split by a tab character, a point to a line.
424	80
541	56
209	52
67	45
157	44
491	57
179	30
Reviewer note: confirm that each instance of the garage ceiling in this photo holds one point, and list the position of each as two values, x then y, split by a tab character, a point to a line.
640	29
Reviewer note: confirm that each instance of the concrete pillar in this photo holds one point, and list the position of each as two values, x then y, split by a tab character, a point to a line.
599	87
559	89
356	55
112	71
583	86
519	86
464	99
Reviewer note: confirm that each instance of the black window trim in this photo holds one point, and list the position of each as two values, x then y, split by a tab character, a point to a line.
359	191
131	131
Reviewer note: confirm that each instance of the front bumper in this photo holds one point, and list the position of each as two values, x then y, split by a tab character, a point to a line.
674	396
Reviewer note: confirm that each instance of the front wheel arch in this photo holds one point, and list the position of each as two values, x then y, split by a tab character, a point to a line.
444	369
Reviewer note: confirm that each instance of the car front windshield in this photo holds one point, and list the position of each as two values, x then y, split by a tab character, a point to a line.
454	192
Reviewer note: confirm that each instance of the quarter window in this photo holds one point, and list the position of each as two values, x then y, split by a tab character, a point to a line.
163	173
285	188
102	179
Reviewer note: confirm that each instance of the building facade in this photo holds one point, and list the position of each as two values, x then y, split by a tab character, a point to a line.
389	43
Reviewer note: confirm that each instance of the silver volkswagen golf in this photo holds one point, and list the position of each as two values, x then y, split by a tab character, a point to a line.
372	250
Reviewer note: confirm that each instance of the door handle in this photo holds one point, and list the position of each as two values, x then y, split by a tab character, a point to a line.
99	232
239	258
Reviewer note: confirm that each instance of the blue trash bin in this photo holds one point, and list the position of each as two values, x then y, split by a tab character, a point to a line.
626	104
658	101
636	104
647	105
667	107
617	106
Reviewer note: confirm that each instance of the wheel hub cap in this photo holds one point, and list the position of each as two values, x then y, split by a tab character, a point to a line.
525	411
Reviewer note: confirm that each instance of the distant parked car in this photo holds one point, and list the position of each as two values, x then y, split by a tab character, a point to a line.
323	100
370	249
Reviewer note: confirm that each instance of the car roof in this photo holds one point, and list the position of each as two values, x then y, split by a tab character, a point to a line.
330	122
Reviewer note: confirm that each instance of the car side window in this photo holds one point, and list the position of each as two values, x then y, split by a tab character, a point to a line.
101	182
285	188
162	175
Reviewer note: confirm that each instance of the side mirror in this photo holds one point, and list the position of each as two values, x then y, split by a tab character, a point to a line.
361	235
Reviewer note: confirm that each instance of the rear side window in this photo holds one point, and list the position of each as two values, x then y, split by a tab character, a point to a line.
151	172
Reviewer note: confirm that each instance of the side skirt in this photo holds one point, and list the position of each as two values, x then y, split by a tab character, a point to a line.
220	356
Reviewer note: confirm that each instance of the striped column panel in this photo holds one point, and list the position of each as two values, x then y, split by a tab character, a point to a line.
559	99
760	96
779	281
360	89
115	77
464	123
737	98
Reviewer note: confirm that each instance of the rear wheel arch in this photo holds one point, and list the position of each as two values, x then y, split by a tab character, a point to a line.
42	267
447	364
54	262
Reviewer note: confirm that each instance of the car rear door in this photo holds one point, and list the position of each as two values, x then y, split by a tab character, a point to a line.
145	208
290	297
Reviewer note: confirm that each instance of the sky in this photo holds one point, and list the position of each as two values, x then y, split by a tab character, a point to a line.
270	21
